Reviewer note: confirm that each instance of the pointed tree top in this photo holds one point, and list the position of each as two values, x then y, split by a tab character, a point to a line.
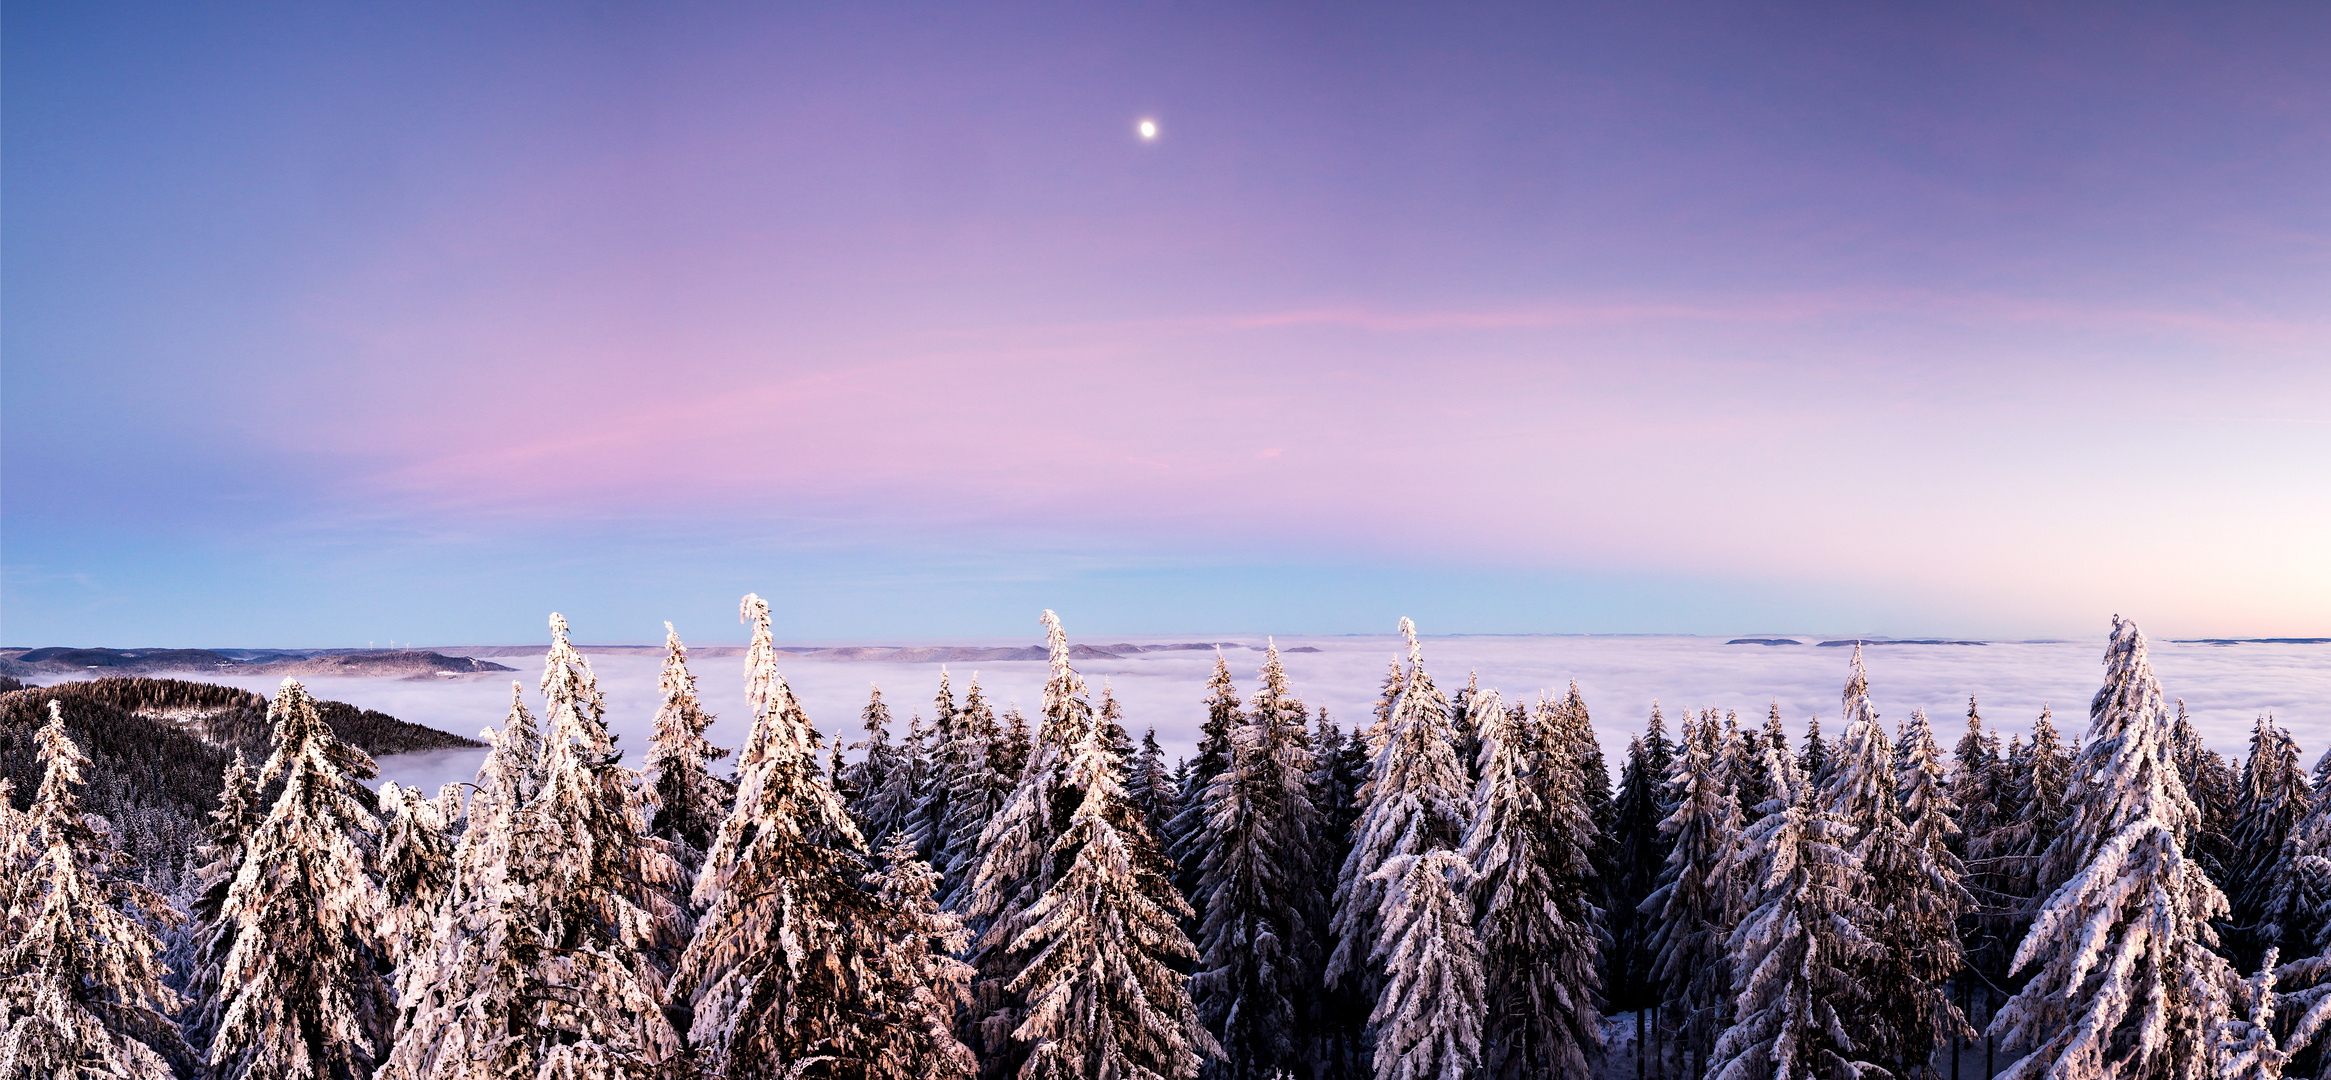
1408	630
2129	682
558	628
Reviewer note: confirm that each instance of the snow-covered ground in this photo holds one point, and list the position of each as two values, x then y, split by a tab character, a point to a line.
2226	686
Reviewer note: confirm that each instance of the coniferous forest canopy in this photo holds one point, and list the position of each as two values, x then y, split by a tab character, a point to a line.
198	883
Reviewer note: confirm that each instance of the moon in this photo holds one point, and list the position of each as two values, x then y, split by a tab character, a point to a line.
1148	129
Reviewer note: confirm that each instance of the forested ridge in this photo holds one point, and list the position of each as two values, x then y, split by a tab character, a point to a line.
158	748
1455	888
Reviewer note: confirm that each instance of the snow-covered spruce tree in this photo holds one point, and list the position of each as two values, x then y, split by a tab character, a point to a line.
1224	715
933	832
1103	997
1813	762
2246	1046
81	978
1111	717
1639	857
2040	784
1916	897
1911	899
1416	800
1258	953
17	855
690	803
301	987
1797	956
776	975
1428	1020
2276	793
890	791
2123	981
976	791
1014	746
465	1004
921	984
201	952
1152	784
1535	928
1338	1016
2297	919
843	778
2214	785
1976	775
1698	895
416	872
1467	725
1020	860
1745	775
870	799
1594	776
607	895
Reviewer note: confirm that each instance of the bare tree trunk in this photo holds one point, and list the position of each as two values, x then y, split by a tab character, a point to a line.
1641	1047
1956	1041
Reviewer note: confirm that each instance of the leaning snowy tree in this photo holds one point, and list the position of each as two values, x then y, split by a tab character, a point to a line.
2123	980
1256	938
689	802
1428	1020
80	974
774	976
1536	931
302	990
1103	997
1417	799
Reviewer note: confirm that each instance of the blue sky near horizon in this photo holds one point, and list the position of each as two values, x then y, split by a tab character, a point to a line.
327	325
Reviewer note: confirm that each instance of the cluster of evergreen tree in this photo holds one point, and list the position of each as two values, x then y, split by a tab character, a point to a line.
1454	891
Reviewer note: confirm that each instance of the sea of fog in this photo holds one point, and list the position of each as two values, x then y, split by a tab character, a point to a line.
2225	686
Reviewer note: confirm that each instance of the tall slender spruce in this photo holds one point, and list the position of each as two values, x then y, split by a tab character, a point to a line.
2122	977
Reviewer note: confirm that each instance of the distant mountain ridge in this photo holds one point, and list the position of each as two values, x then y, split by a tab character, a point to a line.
900	654
345	662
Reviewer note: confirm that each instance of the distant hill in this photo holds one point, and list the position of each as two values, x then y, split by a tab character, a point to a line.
359	662
896	654
157	748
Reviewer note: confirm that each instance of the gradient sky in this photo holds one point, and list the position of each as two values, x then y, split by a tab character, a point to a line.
327	324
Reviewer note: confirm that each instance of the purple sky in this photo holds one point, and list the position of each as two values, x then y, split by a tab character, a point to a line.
415	323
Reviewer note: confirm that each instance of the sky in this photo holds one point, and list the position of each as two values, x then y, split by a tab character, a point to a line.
334	324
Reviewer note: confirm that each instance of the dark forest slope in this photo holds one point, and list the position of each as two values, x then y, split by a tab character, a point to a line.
157	748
